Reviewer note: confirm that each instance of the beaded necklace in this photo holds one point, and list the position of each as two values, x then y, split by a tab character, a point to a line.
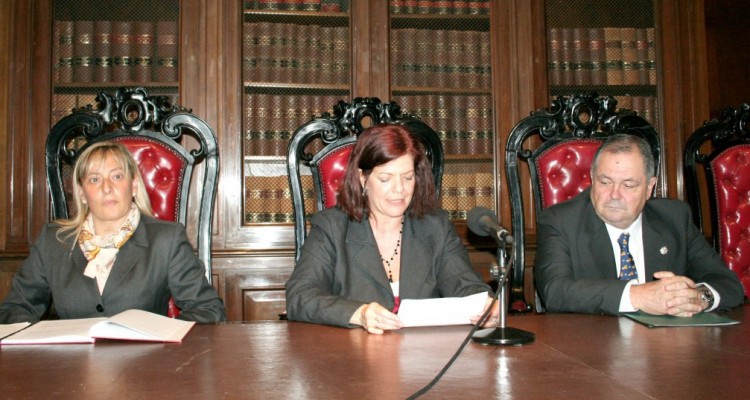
395	253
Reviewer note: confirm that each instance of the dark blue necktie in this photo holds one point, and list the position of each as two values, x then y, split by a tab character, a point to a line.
627	265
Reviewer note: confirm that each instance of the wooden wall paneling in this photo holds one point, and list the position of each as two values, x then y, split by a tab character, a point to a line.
253	287
684	99
5	112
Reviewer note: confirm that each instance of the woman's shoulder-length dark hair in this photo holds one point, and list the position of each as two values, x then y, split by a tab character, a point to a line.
378	145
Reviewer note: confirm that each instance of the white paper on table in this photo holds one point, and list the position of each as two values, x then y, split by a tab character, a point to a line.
7	329
442	311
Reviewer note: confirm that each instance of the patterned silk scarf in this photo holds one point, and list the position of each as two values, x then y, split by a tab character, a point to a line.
101	251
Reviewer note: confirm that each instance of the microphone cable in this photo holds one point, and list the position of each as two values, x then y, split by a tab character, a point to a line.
457	353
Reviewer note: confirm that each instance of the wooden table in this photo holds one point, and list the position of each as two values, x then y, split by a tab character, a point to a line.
573	357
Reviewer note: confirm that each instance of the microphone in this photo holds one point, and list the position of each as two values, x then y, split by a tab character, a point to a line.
482	221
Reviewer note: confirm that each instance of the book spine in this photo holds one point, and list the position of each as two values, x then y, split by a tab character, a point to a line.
262	123
598	56
311	5
248	121
143	50
474	62
439	77
122	38
581	74
276	139
485	115
466	194
651	63
553	56
102	51
330	6
460	7
264	52
409	51
457	120
566	57
282	52
629	56
613	52
424	60
65	32
83	67
341	52
449	195
485	60
167	52
455	59
326	55
293	5
396	6
410	6
641	47
484	187
268	4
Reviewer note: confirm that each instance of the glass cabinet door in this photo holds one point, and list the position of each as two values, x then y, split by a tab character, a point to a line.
295	66
607	47
440	60
106	44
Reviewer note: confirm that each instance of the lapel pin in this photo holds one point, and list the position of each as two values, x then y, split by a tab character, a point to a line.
664	250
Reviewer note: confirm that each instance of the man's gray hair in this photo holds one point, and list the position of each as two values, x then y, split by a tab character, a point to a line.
624	143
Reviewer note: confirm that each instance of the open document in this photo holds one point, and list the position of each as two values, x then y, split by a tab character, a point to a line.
442	311
128	325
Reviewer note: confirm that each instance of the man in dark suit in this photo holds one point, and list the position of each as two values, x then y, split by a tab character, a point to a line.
611	249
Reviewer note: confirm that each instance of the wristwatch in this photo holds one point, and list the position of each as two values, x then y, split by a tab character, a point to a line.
707	296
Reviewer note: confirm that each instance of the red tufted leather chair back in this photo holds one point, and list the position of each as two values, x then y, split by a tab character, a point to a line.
154	131
323	146
162	170
331	169
564	170
548	159
719	174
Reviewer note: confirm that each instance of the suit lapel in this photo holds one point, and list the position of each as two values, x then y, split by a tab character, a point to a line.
361	242
414	260
128	256
656	247
600	247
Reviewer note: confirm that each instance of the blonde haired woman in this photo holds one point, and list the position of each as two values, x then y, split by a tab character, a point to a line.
112	255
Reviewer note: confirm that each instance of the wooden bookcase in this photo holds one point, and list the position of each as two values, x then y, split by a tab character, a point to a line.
384	51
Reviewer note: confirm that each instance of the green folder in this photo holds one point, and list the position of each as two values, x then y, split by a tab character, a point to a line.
701	319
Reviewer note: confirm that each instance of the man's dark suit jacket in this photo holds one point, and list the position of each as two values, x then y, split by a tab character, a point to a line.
575	266
155	263
339	268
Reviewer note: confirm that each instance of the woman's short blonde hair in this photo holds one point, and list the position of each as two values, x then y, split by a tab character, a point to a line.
95	155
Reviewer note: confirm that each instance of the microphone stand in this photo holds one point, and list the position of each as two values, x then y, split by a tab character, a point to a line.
502	334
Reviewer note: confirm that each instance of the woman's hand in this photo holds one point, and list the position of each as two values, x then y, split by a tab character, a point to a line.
375	318
491	320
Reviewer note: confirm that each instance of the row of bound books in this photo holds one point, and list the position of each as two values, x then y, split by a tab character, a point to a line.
116	51
439	6
645	106
271	119
441	58
601	56
268	199
464	122
299	5
285	53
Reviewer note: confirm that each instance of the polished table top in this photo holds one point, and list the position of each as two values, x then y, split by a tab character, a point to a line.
573	357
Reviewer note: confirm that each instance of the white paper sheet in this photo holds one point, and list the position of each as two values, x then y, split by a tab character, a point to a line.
7	329
442	311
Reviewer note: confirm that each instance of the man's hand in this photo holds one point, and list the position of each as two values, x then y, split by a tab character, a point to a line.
668	294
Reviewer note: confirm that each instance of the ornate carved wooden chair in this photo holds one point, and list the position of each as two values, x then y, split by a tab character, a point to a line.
320	149
167	142
717	172
552	150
